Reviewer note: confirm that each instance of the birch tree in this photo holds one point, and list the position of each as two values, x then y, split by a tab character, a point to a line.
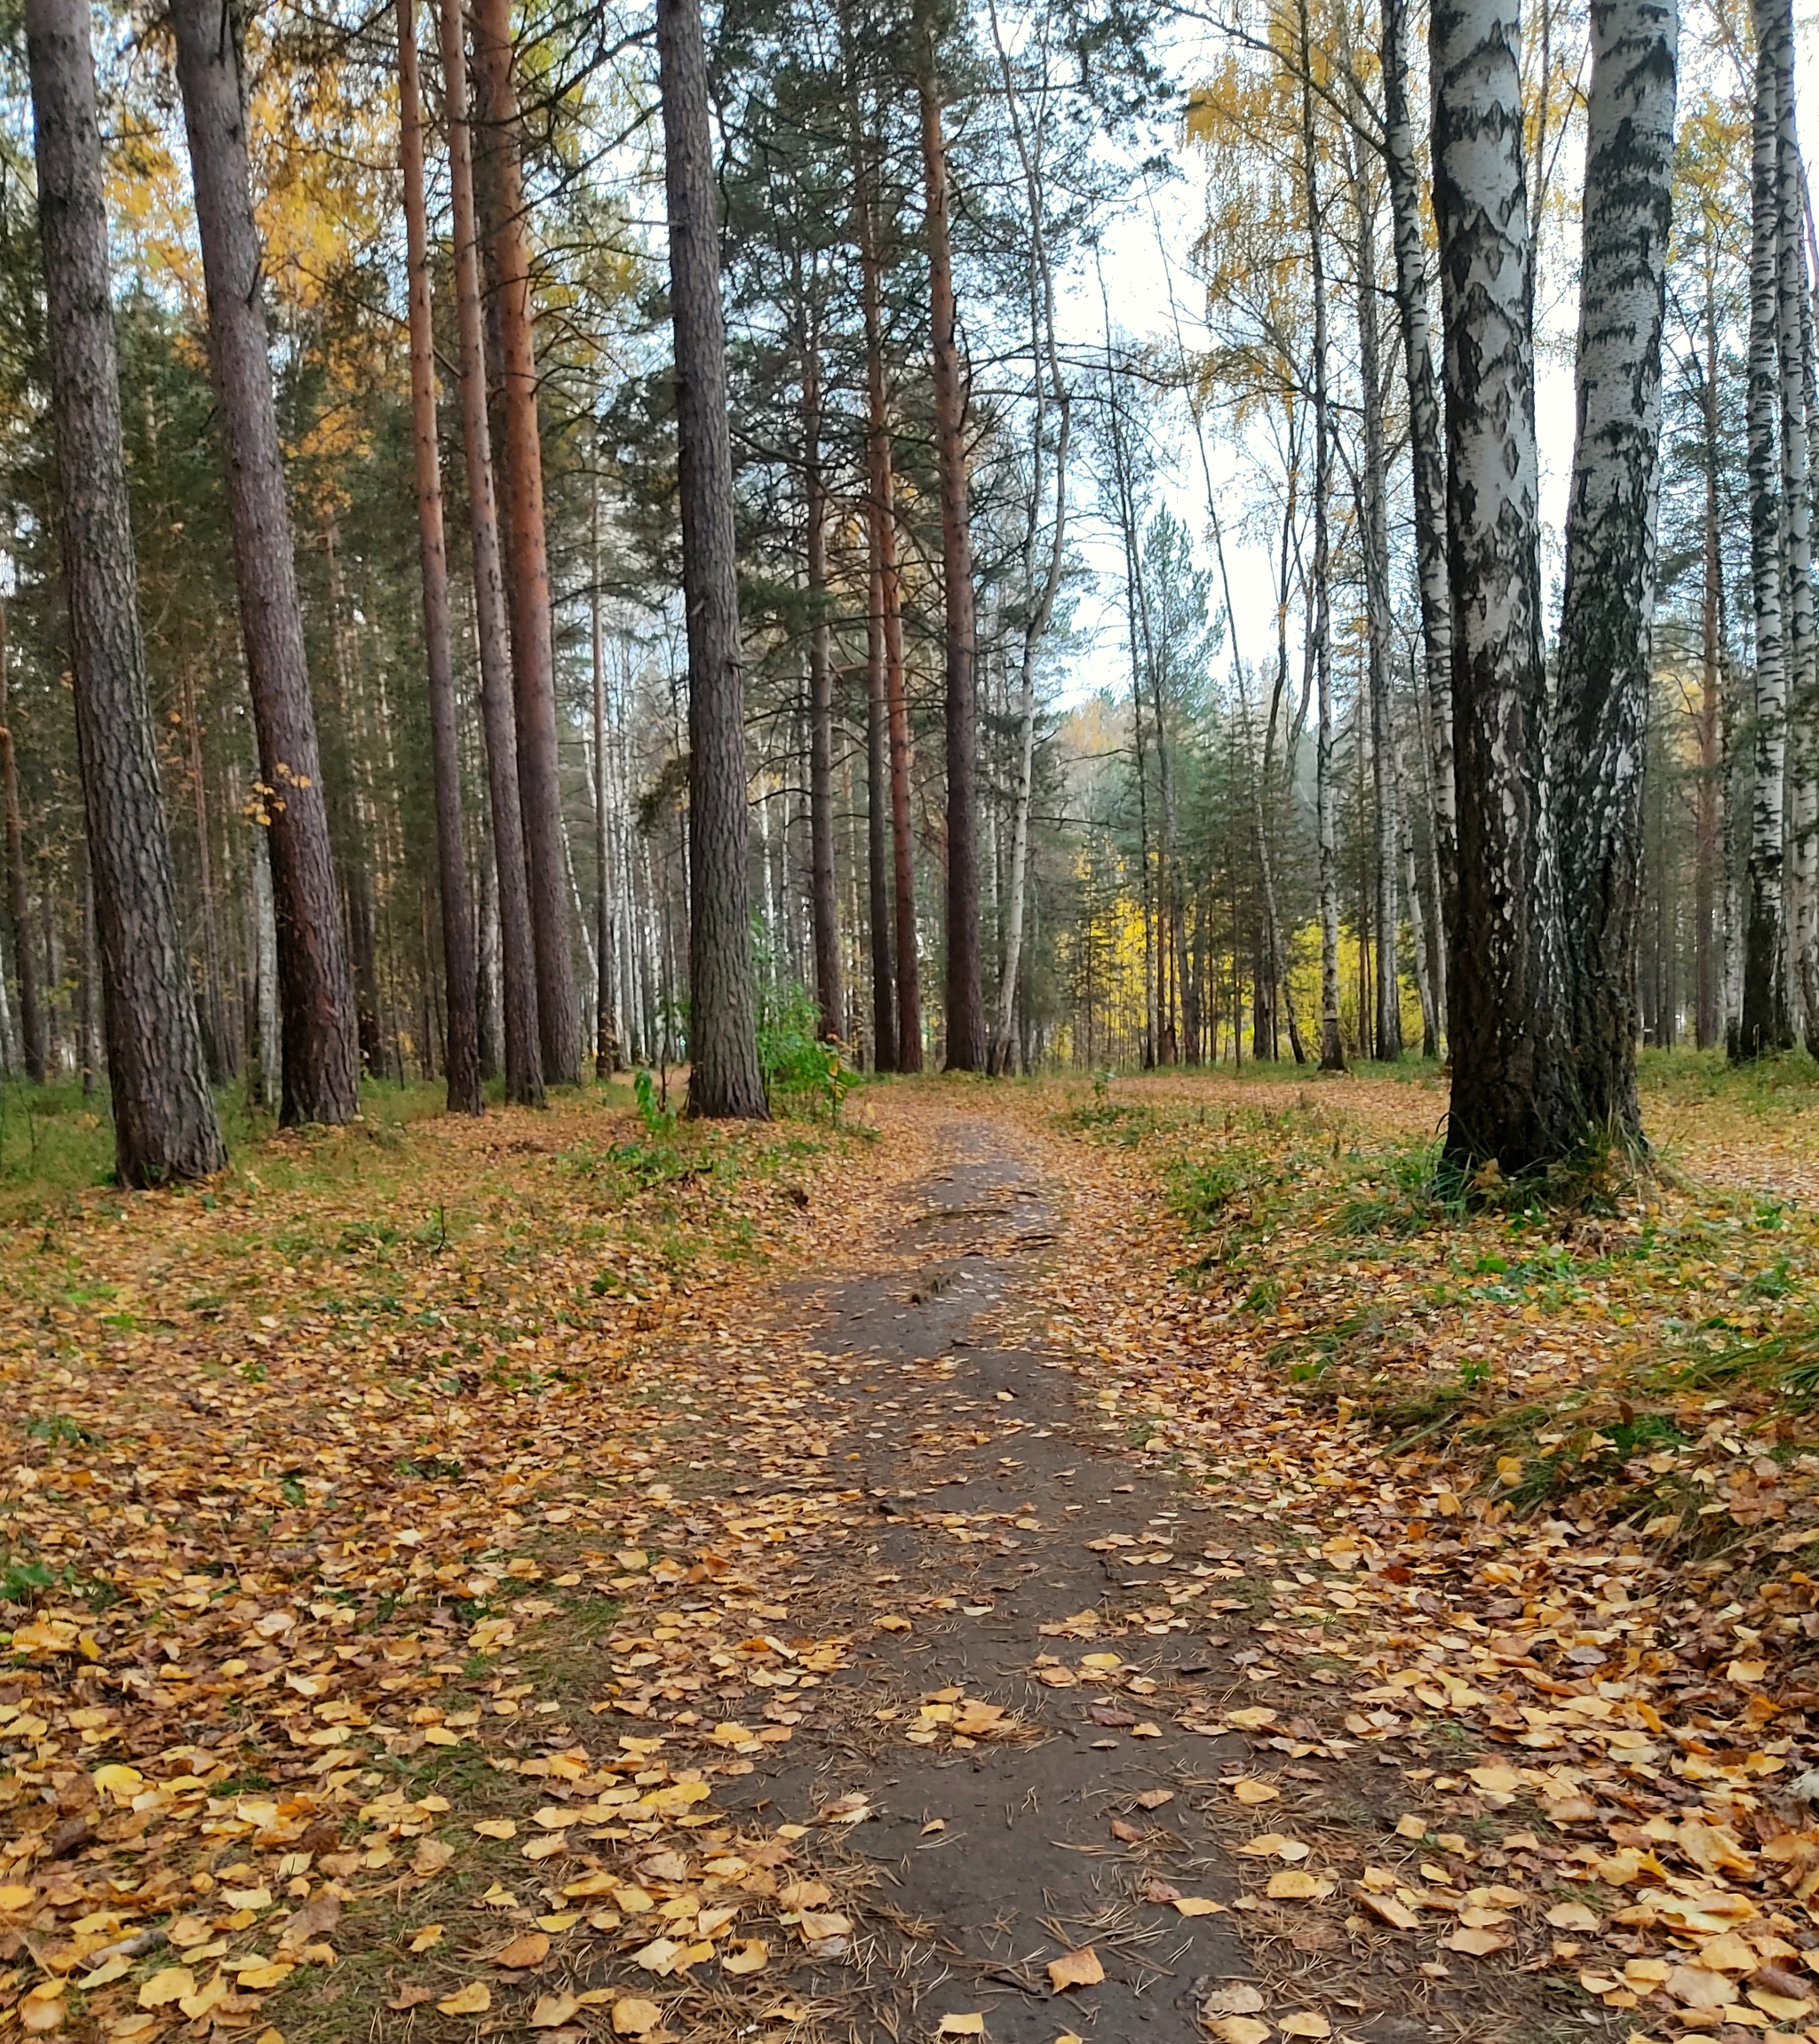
1763	1024
1607	615
1516	1099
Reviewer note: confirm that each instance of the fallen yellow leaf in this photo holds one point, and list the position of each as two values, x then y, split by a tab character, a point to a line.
473	2000
1080	1968
169	1985
1247	1788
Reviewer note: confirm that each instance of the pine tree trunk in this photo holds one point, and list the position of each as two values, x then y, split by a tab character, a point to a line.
265	1068
164	1123
1332	1049
965	1004
321	1050
1606	618
881	525
89	968
724	1079
1374	533
216	1047
519	454
461	1053
1514	1098
1429	459
518	976
347	823
606	1028
31	1013
1763	1027
823	895
1039	594
877	828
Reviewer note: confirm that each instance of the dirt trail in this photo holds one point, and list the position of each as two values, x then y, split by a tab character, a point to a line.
981	1862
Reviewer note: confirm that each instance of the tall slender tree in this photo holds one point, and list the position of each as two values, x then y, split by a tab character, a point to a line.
881	536
524	1069
519	458
165	1122
966	1048
460	956
725	1078
18	904
321	1046
1515	1099
1402	180
1332	1049
1606	623
823	899
1763	1025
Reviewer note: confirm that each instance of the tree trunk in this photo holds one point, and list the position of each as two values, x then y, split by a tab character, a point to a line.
1514	1098
521	472
1332	1049
878	827
31	1014
1374	533
216	1047
164	1123
1403	179
881	521
965	1004
1417	931
1038	596
1606	618
1708	841
1764	1026
347	823
321	1052
1796	429
461	1054
524	1068
825	900
265	1068
606	1032
724	1078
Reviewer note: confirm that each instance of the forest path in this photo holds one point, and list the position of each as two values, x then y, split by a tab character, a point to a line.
1086	1618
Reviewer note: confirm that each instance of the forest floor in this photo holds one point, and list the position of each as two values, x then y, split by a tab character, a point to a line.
1042	1562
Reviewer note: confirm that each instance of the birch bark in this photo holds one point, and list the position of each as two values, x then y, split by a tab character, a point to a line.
1606	621
1515	1097
1762	1026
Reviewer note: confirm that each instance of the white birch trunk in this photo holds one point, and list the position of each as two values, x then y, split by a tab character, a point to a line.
1607	614
1763	1025
1514	1103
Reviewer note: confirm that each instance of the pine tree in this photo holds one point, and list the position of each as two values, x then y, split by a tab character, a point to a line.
165	1122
